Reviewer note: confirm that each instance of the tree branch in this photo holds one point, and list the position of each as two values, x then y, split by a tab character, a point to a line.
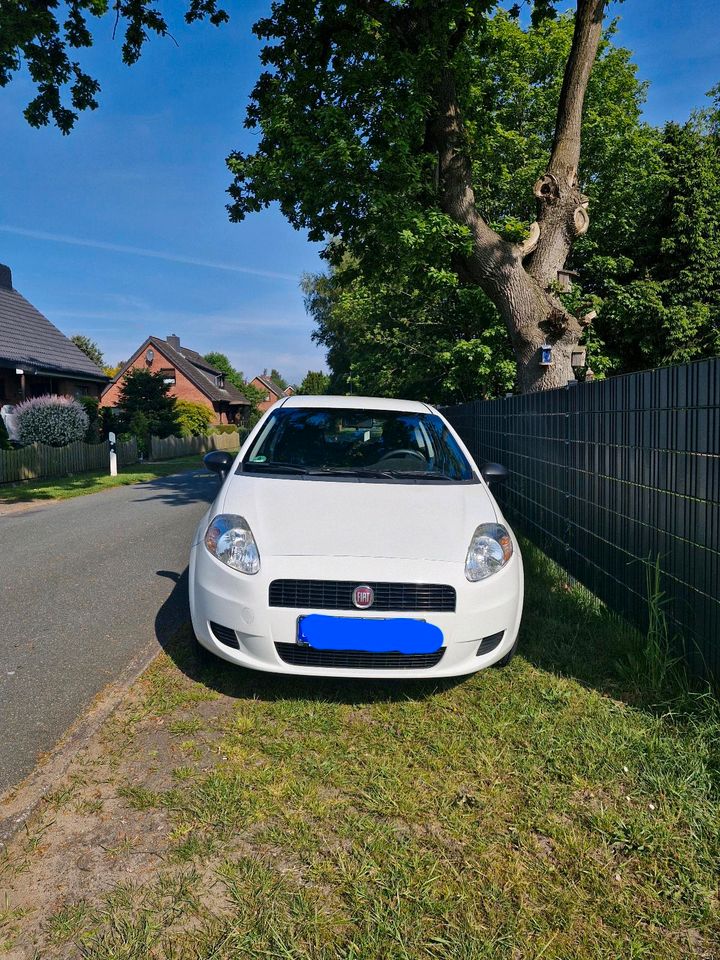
565	155
562	209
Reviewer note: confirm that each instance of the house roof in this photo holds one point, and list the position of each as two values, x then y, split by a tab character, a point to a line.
29	340
271	385
195	367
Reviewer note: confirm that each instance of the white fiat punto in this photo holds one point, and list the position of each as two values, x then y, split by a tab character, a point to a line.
355	537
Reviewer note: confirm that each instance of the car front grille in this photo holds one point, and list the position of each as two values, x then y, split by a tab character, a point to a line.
337	595
300	656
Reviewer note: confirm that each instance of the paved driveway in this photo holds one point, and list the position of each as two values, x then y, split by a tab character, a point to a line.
86	586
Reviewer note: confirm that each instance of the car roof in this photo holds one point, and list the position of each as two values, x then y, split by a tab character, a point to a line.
358	403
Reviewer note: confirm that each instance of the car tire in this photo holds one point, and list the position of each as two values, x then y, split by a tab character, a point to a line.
500	664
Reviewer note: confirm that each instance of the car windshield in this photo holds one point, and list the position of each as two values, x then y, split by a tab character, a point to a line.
377	444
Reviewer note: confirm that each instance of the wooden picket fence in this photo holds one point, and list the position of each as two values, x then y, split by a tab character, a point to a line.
166	448
40	462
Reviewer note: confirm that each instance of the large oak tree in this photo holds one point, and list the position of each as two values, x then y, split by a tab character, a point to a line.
370	130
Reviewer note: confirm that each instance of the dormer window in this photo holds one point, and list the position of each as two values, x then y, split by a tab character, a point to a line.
220	380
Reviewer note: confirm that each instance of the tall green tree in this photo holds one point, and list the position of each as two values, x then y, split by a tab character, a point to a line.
44	35
221	362
277	378
237	379
660	288
373	133
314	383
90	349
146	406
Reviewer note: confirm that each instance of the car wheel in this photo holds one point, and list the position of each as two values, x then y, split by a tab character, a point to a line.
508	657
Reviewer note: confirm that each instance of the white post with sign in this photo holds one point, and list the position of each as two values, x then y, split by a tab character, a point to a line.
113	455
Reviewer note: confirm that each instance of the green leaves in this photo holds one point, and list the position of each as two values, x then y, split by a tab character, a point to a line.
42	36
419	337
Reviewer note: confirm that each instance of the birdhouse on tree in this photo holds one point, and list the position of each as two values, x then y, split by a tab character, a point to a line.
565	279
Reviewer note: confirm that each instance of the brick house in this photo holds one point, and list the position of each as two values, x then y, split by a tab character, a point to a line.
190	375
35	357
272	391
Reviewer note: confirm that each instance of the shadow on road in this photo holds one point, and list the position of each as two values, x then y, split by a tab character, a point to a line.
175	636
180	489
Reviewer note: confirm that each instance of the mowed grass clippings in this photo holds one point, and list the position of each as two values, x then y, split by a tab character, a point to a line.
93	482
514	814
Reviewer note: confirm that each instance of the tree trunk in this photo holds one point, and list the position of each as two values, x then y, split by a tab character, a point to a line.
525	293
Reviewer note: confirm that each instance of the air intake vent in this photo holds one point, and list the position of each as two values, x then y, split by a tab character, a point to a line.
489	643
300	656
225	635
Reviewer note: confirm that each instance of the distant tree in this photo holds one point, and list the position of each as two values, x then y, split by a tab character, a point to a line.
236	378
276	377
146	406
221	362
314	383
89	348
91	406
42	36
113	371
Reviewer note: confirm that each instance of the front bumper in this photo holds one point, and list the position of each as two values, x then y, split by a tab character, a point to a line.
222	596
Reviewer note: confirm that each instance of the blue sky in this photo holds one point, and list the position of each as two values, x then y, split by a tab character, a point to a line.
120	230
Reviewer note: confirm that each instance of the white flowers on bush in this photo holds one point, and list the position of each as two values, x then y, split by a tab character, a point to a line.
50	419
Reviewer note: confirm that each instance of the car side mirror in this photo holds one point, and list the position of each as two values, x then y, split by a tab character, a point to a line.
494	473
219	462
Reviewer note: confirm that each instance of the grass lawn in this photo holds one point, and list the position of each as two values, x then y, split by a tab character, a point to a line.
77	486
547	810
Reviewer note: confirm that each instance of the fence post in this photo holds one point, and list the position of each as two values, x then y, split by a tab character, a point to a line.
566	532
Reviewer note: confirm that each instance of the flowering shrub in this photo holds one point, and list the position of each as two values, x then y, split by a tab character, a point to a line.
50	419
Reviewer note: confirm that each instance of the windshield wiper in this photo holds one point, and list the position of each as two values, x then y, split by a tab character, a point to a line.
273	466
351	472
420	475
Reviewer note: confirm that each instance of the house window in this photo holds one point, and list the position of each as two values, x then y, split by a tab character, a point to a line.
168	375
220	381
267	396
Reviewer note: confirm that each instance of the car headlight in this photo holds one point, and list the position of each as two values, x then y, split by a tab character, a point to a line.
489	551
230	539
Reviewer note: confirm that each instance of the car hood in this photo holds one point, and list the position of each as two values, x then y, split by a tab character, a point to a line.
297	517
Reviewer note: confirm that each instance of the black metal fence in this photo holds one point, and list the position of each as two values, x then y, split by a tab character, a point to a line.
608	475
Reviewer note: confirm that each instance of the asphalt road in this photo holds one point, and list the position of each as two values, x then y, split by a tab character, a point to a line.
86	585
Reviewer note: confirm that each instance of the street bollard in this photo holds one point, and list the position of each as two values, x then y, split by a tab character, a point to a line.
113	455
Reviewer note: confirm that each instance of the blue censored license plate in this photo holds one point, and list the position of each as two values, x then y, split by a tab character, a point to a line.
398	635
